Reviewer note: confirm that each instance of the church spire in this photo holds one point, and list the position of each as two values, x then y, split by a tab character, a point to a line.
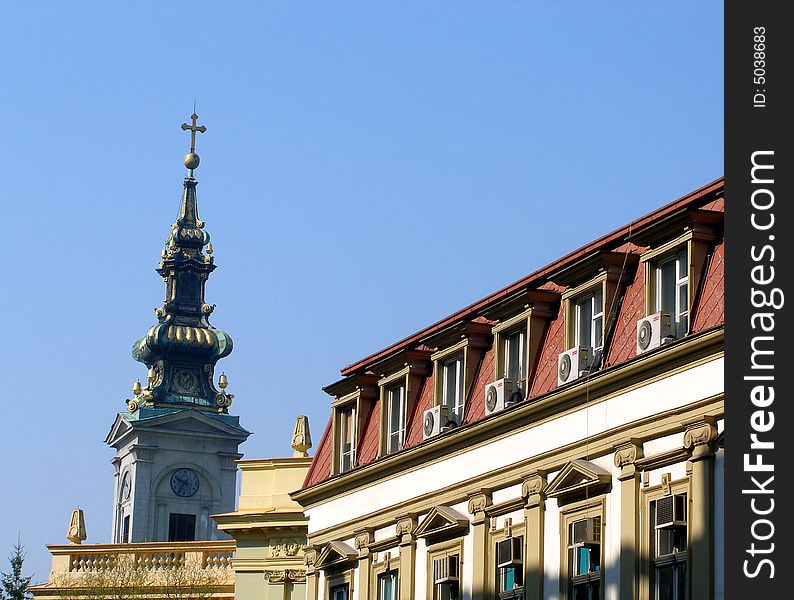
182	348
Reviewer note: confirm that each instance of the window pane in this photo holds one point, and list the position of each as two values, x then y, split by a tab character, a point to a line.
664	583
667	281
585	321
453	387
515	357
396	417
598	340
683	300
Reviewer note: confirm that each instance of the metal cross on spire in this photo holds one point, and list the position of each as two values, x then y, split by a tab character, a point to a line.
193	129
192	159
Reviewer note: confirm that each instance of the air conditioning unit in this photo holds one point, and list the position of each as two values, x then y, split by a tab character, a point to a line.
445	570
653	330
670	511
500	394
572	363
508	552
437	420
587	532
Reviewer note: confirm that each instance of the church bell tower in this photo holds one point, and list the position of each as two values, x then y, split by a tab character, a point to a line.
176	445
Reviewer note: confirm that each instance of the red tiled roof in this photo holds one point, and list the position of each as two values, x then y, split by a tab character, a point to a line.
320	469
711	307
622	346
624	339
603	242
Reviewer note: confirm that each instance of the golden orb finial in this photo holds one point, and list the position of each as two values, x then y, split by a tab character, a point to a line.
223	381
136	387
192	160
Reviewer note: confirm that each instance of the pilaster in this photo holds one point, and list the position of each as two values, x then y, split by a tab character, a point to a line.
626	456
363	541
478	505
699	438
310	558
406	528
533	491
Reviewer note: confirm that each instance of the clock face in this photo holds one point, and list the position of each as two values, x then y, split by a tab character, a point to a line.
126	486
184	482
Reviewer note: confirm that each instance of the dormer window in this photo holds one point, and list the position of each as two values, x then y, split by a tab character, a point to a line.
672	290
452	393
589	320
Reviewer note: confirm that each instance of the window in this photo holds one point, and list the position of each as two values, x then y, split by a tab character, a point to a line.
510	567
387	586
589	320
181	528
452	394
125	536
340	592
446	577
669	539
395	397
515	358
584	559
347	438
672	290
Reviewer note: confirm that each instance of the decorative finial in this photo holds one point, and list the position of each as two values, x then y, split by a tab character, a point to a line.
192	159
77	532
301	438
136	387
223	381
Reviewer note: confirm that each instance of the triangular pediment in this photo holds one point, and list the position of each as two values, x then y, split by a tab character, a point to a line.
119	429
576	476
442	520
336	554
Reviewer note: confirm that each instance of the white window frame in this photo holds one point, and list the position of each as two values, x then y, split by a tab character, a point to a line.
395	581
343	422
595	316
396	429
340	592
681	280
672	559
522	356
457	407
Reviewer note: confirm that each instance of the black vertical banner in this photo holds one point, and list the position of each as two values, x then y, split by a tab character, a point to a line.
759	301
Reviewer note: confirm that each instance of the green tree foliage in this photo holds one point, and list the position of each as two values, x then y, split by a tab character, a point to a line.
14	585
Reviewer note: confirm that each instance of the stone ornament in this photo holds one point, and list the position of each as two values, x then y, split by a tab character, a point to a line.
363	540
76	533
286	547
309	556
533	485
627	454
285	576
405	529
301	437
700	434
478	503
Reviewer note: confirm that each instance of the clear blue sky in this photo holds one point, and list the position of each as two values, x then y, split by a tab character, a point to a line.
369	168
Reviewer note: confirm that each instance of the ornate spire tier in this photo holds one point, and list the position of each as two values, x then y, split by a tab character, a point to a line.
181	350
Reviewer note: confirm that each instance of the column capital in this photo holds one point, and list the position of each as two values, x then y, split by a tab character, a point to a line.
406	526
478	505
626	456
309	558
533	488
363	540
699	438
